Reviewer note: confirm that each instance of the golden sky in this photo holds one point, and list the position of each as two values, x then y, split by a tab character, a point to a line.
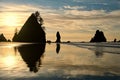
74	21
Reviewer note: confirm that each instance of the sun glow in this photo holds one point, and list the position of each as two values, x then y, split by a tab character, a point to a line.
9	60
10	20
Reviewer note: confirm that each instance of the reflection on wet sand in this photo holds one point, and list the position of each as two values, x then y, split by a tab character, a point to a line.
72	63
99	51
32	54
57	47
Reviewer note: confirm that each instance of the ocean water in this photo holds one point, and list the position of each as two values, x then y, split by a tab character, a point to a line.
27	61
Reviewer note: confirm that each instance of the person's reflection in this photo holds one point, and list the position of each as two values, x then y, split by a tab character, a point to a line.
32	54
57	47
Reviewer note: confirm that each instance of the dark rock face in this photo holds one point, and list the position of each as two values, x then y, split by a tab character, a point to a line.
32	30
58	40
2	38
99	37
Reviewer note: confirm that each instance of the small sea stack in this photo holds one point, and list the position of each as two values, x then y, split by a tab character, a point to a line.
2	38
98	37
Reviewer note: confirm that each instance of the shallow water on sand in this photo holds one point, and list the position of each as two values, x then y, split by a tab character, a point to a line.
23	61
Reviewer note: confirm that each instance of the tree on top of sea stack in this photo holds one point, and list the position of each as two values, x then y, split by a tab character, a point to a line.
32	30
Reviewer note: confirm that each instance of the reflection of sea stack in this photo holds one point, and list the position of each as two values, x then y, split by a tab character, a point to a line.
32	54
57	47
32	30
99	37
58	40
2	38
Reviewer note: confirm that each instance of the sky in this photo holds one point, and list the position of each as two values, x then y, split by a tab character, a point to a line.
76	20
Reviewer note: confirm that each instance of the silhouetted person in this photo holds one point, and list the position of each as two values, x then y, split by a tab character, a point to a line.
98	37
32	30
57	47
32	54
58	40
115	40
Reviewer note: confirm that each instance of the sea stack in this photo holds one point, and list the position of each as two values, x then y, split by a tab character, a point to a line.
98	37
58	40
32	30
2	38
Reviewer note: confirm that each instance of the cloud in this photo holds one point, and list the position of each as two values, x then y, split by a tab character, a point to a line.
78	1
11	7
16	8
85	22
74	7
93	14
85	13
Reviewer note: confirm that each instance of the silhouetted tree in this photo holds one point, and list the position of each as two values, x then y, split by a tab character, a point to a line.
58	40
39	18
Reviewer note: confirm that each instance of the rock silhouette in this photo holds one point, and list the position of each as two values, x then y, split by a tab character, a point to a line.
2	38
32	55
58	40
115	40
99	37
32	30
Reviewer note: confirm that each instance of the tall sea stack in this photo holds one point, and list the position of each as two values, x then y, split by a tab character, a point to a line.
32	30
98	37
58	40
